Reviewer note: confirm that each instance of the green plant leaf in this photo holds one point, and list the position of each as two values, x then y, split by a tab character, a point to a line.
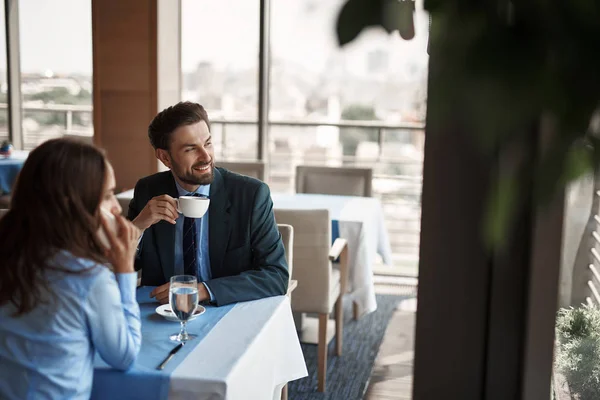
356	15
578	162
500	210
398	16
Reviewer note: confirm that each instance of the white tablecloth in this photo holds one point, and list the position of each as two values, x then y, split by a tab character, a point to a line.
250	354
361	223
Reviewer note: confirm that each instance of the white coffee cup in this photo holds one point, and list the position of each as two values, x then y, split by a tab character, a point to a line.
192	207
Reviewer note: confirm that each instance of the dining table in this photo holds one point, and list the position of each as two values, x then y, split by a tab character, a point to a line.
9	169
247	350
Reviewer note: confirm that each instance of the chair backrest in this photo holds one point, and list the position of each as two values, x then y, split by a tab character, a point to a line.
312	269
345	181
254	169
287	237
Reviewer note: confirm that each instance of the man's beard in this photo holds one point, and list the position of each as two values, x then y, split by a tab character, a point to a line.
192	179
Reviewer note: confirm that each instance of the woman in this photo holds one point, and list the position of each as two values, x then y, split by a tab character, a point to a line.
59	303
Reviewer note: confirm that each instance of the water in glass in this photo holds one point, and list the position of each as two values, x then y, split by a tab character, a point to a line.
184	301
183	298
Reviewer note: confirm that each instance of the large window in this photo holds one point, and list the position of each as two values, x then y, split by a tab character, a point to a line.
361	105
56	69
220	70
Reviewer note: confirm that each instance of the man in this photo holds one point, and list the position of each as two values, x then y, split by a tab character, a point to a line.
235	250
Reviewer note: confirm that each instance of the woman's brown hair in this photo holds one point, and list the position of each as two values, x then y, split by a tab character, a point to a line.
54	207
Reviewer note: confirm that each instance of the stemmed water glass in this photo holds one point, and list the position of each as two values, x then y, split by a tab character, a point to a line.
183	298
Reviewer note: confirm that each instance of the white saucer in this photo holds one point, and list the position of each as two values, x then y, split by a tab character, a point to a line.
165	312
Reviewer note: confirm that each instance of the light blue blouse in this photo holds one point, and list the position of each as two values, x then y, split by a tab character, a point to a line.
48	353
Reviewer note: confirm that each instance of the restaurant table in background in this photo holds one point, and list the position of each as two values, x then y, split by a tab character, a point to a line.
10	168
243	351
360	221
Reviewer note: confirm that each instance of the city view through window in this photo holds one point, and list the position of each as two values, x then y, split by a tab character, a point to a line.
56	70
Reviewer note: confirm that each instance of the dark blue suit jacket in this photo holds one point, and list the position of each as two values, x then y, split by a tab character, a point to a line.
247	258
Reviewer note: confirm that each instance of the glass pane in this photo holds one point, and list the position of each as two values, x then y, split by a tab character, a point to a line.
56	69
372	93
219	61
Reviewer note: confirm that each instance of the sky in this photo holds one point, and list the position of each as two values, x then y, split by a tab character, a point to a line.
302	31
57	35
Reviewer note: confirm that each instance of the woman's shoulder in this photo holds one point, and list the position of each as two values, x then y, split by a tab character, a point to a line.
73	279
68	261
71	267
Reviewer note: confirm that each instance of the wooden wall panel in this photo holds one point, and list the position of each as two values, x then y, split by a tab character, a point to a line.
125	84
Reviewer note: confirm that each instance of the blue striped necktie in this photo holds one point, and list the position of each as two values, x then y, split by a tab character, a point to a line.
190	245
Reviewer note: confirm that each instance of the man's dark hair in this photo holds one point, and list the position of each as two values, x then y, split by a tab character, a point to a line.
171	118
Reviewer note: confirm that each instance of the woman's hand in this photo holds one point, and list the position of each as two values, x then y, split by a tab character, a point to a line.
123	244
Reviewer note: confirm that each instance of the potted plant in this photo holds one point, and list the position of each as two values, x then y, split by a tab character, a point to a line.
578	351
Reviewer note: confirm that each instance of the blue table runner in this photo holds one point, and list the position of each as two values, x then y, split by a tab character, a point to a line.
143	381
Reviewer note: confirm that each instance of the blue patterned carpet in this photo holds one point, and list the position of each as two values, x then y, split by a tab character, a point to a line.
348	375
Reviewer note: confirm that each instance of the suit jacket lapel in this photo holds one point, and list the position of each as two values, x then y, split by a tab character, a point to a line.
165	233
218	221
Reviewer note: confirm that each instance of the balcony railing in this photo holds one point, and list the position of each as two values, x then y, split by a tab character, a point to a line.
35	133
400	192
378	127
